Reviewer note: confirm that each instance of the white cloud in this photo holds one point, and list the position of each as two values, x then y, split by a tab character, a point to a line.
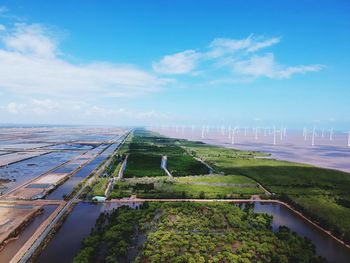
15	108
242	56
263	44
47	108
2	27
255	66
221	46
30	40
178	63
265	66
30	64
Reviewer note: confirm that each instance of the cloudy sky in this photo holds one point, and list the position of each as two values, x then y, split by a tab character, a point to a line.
175	62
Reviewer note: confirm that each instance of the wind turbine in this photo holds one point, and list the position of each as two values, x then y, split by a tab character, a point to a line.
305	133
331	134
348	138
256	133
233	136
274	135
313	137
281	133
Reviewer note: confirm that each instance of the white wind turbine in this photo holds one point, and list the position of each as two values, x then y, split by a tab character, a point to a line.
233	136
348	138
313	137
331	134
281	133
305	133
256	133
274	135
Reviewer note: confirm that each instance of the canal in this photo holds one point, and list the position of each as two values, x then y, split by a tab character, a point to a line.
67	241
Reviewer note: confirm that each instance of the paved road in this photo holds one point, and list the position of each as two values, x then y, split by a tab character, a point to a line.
28	253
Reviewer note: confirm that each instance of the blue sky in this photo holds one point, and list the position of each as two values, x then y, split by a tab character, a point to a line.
175	62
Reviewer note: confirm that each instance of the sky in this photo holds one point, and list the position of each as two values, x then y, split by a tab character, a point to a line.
175	62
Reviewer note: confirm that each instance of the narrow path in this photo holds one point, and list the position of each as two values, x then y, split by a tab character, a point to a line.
163	165
211	169
122	168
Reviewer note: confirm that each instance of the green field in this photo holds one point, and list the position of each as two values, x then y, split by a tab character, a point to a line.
145	150
312	190
191	232
140	165
100	187
213	186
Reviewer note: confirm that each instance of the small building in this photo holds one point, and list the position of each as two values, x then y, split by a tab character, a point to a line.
99	198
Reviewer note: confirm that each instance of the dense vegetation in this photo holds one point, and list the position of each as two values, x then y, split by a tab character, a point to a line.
145	150
191	232
211	186
322	194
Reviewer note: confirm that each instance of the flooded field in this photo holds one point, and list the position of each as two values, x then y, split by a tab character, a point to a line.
21	172
67	187
27	153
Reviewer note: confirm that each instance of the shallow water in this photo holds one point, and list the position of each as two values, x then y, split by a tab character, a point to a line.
325	245
67	241
67	187
28	169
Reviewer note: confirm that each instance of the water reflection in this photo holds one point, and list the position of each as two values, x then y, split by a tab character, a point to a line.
325	245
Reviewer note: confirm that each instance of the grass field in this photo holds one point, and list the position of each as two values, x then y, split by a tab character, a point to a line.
100	187
314	191
213	186
145	150
141	164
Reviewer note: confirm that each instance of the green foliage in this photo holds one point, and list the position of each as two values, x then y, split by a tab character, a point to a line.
321	194
145	150
100	187
192	232
213	186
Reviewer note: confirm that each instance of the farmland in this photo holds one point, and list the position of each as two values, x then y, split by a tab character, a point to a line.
145	150
211	186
